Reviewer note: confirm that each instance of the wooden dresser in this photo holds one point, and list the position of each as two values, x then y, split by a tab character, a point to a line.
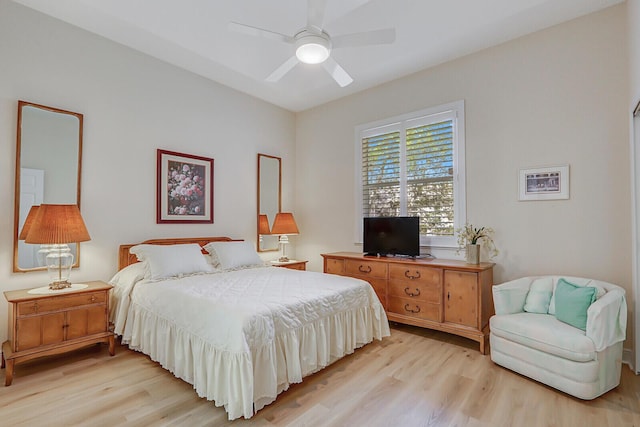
41	325
447	295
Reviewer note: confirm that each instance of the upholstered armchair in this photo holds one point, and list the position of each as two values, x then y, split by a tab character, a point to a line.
565	332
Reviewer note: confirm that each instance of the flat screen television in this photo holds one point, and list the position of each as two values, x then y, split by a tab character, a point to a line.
399	235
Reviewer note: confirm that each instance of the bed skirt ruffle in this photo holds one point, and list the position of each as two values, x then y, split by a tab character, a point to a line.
245	382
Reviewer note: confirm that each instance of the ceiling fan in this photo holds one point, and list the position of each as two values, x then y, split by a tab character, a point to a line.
313	45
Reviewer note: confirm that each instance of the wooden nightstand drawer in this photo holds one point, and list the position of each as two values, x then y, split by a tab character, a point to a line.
60	302
291	265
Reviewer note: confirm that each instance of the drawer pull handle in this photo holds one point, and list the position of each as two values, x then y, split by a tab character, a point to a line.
93	298
412	294
362	270
409	276
417	310
35	307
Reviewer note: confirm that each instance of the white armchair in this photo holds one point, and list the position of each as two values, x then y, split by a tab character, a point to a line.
583	363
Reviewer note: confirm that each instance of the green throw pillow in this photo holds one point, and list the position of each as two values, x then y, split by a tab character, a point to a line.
572	303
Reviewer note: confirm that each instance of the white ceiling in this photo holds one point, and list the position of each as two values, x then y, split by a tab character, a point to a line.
193	35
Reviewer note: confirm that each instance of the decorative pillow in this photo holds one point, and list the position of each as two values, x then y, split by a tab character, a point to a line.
572	303
228	255
539	296
162	261
600	291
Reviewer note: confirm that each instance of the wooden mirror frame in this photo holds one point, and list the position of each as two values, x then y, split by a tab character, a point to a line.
17	191
271	215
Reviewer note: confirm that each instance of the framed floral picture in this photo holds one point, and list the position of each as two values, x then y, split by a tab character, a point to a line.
184	188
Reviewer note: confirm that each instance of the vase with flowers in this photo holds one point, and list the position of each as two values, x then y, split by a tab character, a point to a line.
473	240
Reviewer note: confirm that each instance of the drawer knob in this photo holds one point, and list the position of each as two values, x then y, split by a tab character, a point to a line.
93	298
417	310
412	294
361	269
410	276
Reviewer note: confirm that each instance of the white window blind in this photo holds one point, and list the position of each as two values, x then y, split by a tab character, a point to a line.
410	166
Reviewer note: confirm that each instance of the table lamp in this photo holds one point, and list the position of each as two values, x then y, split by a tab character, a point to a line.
284	225
56	225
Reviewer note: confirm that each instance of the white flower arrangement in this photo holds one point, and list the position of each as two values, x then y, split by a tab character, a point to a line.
483	236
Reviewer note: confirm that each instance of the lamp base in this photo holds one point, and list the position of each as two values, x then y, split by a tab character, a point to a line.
283	259
60	284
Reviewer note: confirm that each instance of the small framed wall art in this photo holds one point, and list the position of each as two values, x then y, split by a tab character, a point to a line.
550	183
184	188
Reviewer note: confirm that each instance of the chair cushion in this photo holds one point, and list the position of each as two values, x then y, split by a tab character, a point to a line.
533	330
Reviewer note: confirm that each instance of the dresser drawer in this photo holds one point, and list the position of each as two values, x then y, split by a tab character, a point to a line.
415	273
365	269
414	308
334	266
416	290
44	305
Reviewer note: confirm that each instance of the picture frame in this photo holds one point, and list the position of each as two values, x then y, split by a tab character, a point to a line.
548	183
184	188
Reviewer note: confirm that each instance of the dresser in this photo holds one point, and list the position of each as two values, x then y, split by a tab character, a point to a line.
46	324
446	295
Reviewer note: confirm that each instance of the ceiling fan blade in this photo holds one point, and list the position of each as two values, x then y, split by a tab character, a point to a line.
260	32
385	36
315	14
337	72
283	69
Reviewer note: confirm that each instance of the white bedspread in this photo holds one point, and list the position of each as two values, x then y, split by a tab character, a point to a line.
241	337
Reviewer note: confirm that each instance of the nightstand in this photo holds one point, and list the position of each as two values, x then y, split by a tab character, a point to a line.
53	323
291	264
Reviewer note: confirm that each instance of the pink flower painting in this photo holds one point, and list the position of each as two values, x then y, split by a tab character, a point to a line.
185	189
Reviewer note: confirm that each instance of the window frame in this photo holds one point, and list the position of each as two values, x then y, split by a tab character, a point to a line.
455	110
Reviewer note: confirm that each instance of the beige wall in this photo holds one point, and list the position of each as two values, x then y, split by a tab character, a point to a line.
132	105
558	96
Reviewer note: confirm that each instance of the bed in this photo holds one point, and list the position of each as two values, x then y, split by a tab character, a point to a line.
240	332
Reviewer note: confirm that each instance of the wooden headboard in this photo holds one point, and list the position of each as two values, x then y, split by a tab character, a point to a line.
126	258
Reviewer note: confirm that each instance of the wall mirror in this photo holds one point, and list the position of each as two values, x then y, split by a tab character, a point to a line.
269	203
48	167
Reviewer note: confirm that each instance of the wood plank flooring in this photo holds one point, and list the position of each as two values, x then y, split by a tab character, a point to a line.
416	377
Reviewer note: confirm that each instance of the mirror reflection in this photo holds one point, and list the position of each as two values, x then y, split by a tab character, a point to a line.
269	189
48	166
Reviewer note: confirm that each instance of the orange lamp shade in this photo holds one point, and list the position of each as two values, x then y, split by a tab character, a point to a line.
57	224
263	224
28	222
284	224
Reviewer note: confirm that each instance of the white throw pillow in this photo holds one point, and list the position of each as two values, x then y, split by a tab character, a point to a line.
228	255
162	261
539	296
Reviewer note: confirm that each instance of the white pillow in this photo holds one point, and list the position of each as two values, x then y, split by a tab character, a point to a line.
539	296
129	275
162	261
228	255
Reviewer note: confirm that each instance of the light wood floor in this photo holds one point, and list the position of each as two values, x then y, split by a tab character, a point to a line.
414	378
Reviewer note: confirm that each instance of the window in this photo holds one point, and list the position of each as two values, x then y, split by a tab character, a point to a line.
413	165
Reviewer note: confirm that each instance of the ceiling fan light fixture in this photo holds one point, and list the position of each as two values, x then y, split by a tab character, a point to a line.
312	49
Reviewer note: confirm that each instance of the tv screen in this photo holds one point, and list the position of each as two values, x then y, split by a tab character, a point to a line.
398	235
